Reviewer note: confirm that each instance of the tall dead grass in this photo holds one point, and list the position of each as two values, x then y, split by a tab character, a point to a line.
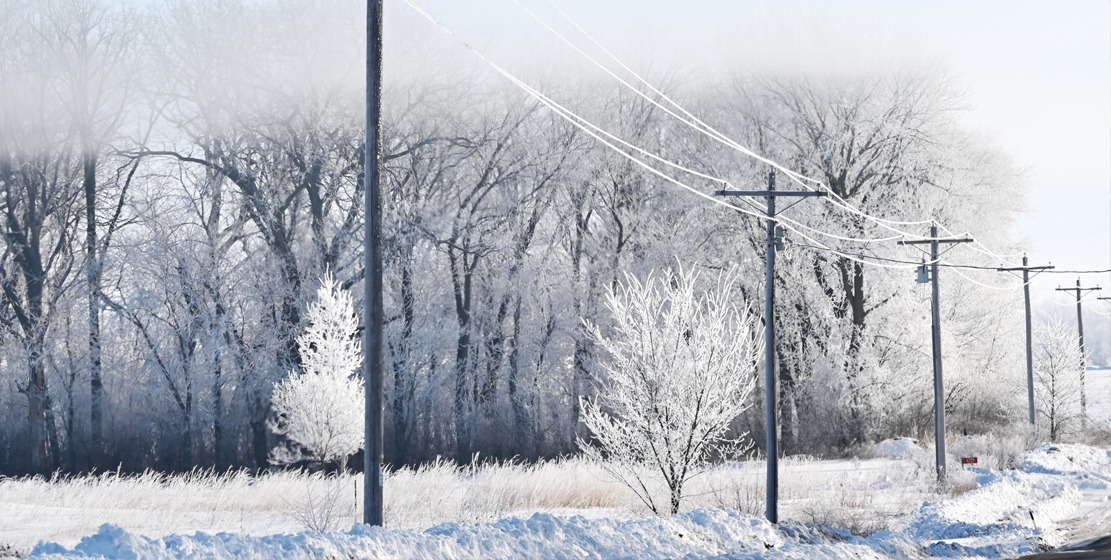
862	495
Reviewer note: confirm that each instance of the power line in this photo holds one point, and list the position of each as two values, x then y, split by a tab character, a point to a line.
587	127
700	125
693	121
583	124
988	286
790	224
689	119
840	237
1078	271
985	250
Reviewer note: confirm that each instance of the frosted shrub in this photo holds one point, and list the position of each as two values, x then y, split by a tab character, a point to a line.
1057	363
680	370
320	410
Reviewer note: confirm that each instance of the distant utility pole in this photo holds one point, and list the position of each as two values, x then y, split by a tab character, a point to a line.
1029	337
1083	358
935	328
772	494
373	475
1104	298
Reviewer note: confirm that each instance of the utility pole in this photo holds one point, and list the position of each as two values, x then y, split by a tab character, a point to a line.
772	489
935	330
373	475
1083	357
1103	298
1025	268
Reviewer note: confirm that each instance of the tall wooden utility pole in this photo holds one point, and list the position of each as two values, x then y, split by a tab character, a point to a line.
373	475
1083	357
772	494
935	331
1029	336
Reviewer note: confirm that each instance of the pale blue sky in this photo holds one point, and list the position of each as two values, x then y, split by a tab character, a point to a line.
1038	74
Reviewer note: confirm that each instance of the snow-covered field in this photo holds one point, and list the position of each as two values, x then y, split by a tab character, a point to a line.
570	510
1098	390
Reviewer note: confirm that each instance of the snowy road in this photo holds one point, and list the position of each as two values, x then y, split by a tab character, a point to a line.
1098	549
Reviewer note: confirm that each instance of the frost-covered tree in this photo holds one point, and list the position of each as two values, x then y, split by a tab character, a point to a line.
681	365
320	410
1057	381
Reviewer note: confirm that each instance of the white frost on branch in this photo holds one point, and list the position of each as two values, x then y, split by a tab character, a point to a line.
1057	363
321	408
681	367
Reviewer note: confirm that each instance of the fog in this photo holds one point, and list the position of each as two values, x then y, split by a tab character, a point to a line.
177	176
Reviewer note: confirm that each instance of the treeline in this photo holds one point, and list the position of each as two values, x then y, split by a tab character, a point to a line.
176	181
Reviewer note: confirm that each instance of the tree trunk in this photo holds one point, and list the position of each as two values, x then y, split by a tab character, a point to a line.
187	443
461	279
520	411
852	277
219	451
258	411
39	412
403	384
92	256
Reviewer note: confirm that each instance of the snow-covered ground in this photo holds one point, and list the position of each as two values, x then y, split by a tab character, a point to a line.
1059	493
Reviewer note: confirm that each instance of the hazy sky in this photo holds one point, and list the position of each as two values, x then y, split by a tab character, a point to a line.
1037	73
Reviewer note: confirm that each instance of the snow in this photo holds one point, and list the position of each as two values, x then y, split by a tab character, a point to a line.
1008	514
697	534
1098	390
899	448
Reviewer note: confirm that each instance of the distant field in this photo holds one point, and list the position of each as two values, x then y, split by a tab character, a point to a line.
1098	390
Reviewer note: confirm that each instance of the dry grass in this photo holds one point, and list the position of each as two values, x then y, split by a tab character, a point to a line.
442	491
863	496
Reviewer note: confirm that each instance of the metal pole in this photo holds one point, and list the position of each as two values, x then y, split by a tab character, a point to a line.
939	385
1029	342
769	361
372	263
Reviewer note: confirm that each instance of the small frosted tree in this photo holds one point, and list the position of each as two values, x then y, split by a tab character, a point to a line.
1056	376
320	409
681	367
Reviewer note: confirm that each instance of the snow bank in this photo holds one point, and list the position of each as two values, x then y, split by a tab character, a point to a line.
1069	459
697	534
1016	512
898	448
